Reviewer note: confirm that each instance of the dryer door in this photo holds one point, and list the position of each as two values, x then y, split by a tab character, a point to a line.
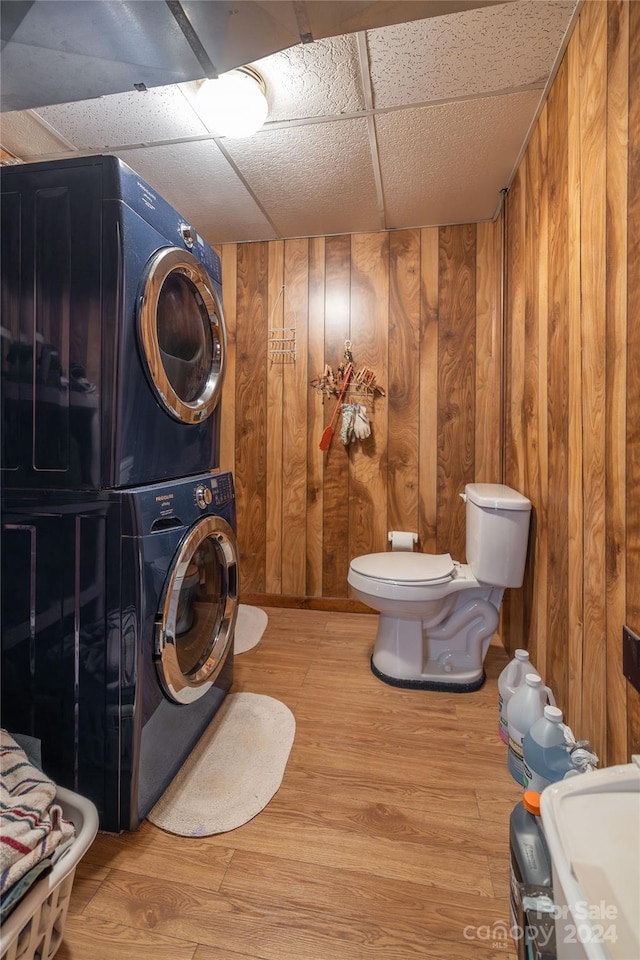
198	610
182	335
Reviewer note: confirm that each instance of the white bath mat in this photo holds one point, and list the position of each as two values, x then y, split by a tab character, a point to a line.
250	625
234	770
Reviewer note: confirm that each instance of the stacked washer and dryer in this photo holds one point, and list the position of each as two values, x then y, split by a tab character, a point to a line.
119	558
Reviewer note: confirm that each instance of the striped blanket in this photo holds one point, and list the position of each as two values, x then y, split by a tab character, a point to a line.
31	824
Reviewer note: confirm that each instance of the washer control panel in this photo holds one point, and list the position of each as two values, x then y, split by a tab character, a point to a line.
180	502
222	489
216	490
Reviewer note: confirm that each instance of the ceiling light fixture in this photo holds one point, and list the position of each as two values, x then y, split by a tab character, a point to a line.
234	105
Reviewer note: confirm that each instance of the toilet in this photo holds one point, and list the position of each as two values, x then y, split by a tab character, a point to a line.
437	616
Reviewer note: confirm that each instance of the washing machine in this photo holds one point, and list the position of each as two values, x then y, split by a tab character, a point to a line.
118	614
113	337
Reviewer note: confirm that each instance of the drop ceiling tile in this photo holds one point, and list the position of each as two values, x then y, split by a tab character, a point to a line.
313	79
456	157
26	137
313	180
466	54
310	80
201	185
162	113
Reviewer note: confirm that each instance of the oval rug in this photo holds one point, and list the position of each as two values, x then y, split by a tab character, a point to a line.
233	771
250	625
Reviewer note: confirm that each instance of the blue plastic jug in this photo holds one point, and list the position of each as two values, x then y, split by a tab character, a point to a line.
546	755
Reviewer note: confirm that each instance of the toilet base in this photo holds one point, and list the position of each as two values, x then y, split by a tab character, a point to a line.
429	683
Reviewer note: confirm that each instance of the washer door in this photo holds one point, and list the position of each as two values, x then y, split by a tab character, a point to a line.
198	610
182	335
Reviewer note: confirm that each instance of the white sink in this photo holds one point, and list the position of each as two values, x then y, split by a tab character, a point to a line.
592	827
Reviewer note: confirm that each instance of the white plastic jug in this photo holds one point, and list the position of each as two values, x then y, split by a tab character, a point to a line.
524	708
545	751
509	680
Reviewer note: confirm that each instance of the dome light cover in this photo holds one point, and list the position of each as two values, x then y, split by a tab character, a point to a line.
234	105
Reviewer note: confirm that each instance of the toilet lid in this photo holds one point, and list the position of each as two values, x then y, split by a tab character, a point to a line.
405	567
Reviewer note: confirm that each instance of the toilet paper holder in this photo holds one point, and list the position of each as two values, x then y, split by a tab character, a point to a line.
402	539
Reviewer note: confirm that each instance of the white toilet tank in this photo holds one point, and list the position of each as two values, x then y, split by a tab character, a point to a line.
497	533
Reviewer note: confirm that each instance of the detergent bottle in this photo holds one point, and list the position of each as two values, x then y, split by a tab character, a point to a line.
509	680
524	708
531	899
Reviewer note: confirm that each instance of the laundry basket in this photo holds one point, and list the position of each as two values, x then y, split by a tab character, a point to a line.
34	930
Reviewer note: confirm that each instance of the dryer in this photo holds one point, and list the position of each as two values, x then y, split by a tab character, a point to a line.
118	614
113	337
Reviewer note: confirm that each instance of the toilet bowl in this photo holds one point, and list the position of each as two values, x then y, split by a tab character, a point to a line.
437	616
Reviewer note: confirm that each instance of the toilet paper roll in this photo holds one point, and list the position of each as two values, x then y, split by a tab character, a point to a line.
402	539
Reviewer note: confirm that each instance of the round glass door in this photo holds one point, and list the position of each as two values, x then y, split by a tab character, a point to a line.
182	335
198	610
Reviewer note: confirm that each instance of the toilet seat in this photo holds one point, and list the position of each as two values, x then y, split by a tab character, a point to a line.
405	568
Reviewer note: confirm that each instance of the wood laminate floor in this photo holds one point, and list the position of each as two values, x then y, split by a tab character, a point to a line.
388	837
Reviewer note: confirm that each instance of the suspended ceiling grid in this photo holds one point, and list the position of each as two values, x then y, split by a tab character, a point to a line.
407	125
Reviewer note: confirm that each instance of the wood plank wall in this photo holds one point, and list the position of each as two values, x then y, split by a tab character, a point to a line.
572	349
421	308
